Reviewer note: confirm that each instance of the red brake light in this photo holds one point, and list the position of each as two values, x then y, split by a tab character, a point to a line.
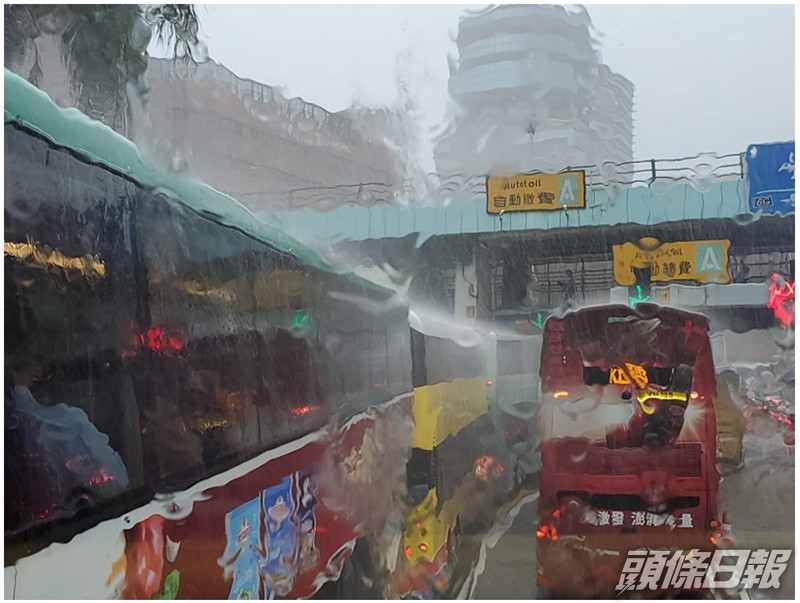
304	410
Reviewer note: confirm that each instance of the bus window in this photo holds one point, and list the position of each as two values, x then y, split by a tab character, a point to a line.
70	296
167	346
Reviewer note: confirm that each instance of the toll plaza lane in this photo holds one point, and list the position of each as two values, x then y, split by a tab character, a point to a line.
506	566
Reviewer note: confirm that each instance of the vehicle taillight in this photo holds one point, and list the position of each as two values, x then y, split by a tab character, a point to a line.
716	531
547	531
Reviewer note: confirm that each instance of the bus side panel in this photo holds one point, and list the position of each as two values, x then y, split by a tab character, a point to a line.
444	409
178	546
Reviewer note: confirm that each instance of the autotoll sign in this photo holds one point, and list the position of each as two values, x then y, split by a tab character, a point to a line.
702	261
536	192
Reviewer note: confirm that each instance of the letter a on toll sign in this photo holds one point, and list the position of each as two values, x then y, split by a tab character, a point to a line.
566	194
710	262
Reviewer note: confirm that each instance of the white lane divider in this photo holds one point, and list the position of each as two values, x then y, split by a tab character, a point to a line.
490	541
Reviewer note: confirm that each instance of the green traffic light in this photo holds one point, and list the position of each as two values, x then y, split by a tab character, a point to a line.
639	297
300	319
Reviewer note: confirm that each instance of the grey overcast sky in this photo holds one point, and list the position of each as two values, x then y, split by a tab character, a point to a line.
708	78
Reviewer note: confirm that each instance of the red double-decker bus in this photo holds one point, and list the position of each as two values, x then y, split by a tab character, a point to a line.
628	452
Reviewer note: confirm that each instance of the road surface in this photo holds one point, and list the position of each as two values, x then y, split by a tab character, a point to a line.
759	501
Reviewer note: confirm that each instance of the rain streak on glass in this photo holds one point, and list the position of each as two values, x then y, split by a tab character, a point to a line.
398	302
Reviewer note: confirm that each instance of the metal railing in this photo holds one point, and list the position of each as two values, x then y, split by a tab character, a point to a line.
704	166
435	189
646	172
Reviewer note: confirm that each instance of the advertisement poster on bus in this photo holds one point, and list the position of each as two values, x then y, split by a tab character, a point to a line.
305	519
241	531
280	534
241	540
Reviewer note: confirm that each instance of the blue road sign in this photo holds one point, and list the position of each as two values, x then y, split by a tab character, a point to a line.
770	178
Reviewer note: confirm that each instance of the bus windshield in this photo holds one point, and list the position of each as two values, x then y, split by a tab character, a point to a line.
609	366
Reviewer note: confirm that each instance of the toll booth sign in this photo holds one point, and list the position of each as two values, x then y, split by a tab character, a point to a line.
536	192
701	261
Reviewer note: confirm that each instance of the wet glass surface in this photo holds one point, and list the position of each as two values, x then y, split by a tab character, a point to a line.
468	302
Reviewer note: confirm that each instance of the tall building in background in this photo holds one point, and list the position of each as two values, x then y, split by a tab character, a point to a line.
529	92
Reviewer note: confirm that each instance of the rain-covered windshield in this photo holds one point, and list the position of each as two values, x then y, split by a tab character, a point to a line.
381	301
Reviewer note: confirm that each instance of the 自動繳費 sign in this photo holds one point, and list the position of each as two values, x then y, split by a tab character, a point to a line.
536	192
701	261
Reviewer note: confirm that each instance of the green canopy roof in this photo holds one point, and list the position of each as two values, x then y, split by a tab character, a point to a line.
30	108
